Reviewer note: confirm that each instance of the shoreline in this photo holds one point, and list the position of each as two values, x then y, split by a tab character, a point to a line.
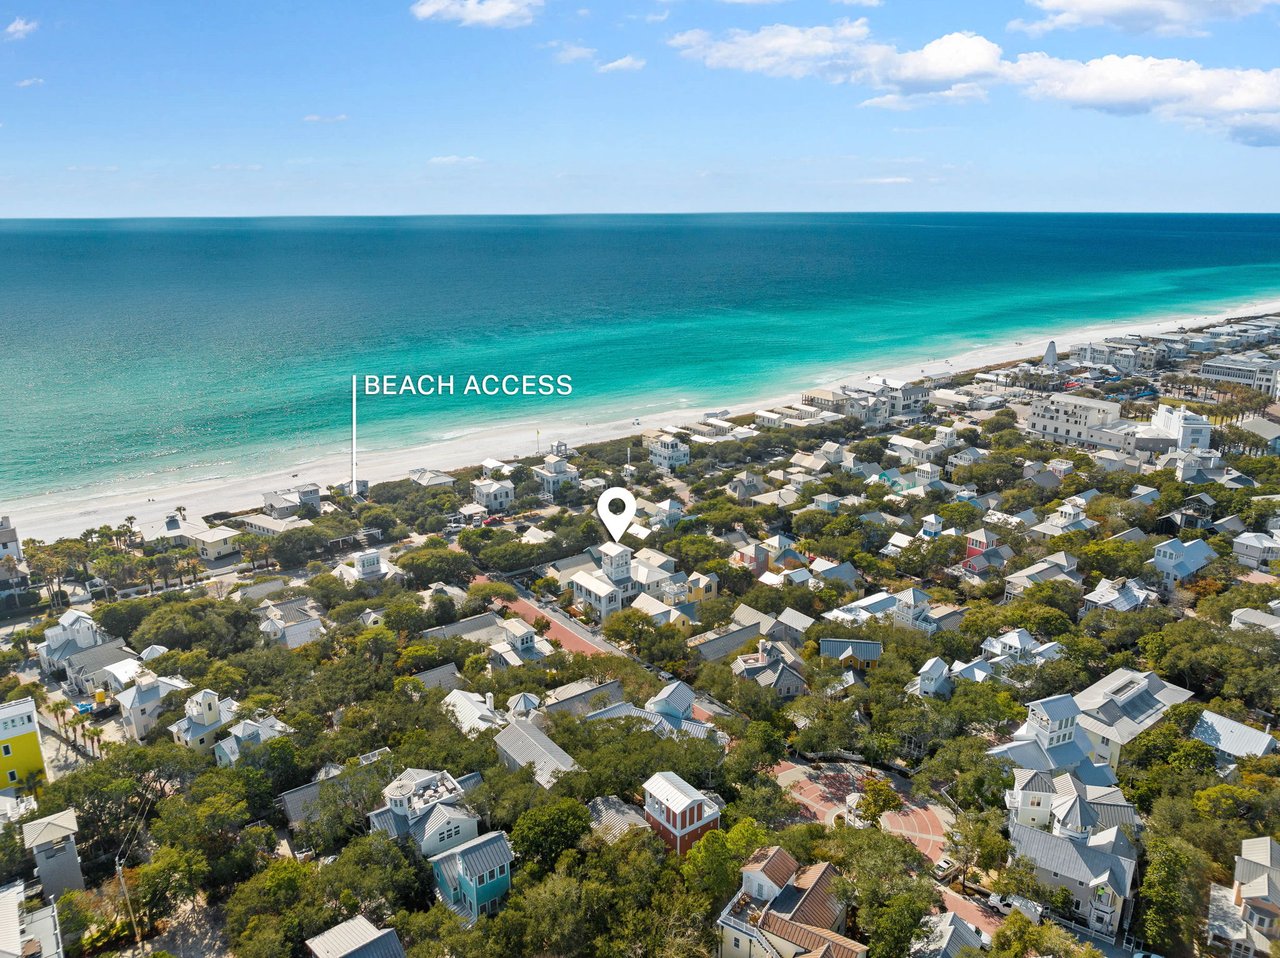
52	515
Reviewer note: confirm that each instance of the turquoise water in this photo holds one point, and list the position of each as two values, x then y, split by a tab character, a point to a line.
136	349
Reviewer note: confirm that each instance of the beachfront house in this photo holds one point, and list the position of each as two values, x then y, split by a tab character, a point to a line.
282	503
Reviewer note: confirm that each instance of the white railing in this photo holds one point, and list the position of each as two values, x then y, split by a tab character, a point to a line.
739	925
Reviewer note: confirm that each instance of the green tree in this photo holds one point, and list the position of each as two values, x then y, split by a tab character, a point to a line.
878	796
976	840
543	833
712	865
1173	894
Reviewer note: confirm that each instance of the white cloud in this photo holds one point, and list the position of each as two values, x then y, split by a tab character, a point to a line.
1164	17
952	67
1245	104
321	118
780	50
659	17
628	62
454	160
566	52
479	13
30	82
886	180
20	29
1242	103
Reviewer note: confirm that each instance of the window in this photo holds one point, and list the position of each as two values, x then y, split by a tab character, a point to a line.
502	869
737	943
7	751
201	741
13	776
481	880
492	874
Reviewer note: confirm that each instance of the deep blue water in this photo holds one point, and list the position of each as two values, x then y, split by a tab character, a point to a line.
133	348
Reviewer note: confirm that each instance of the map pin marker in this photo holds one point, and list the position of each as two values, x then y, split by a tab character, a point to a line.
616	522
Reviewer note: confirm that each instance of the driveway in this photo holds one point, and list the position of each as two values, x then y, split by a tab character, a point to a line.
571	636
821	793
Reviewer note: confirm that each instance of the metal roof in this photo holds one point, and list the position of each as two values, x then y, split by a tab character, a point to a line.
1232	737
356	938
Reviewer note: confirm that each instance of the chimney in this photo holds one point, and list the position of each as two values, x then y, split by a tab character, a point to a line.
488	699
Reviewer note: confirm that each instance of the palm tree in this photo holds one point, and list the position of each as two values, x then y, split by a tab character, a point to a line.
147	570
76	725
94	736
164	565
59	710
181	511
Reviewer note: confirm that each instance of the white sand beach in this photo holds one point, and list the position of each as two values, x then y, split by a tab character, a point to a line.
70	513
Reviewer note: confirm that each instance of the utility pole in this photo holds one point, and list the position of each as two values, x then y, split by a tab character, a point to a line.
128	905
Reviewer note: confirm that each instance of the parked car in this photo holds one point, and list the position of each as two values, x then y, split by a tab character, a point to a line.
943	869
1007	904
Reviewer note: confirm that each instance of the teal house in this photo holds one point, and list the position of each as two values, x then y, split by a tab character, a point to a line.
473	878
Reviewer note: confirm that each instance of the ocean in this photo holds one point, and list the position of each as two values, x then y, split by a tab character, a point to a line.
134	351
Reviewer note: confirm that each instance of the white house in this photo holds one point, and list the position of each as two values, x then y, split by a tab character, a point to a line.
667	452
496	495
368	566
1257	550
283	503
216	543
140	703
75	632
427	808
292	623
1119	707
556	473
204	714
472	713
247	732
1176	561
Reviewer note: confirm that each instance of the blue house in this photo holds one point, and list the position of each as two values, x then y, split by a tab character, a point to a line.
472	879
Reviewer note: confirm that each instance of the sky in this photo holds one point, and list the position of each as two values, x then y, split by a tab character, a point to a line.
283	107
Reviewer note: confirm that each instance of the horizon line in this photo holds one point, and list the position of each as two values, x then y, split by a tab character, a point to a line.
622	213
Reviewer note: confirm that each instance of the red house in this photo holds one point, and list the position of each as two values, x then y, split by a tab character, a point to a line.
678	813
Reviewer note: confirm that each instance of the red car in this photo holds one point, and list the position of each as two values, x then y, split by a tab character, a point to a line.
494	521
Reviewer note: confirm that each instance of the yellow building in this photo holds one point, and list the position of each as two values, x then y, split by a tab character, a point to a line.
20	752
